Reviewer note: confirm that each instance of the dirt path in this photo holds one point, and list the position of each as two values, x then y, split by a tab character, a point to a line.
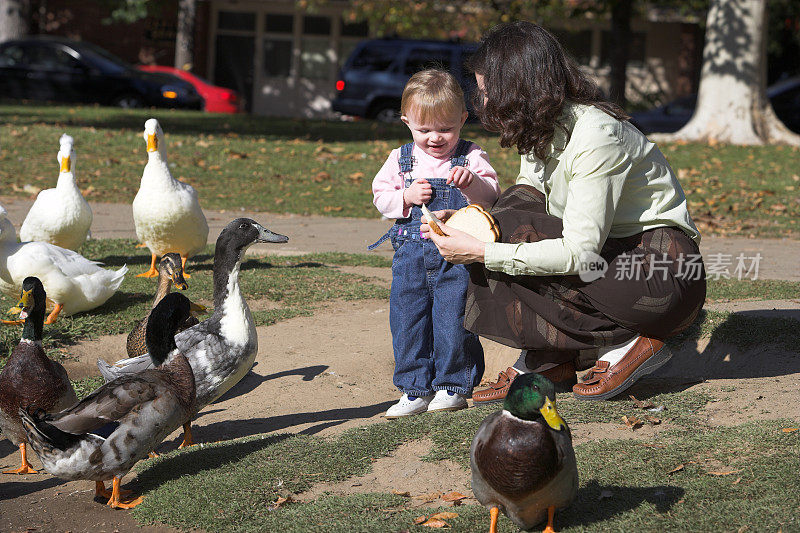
342	357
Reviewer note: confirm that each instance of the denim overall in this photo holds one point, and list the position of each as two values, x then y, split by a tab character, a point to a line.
432	350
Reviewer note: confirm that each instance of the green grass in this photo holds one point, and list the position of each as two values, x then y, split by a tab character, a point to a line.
325	167
760	289
626	485
742	331
291	285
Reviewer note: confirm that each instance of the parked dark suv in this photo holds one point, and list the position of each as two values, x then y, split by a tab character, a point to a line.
371	82
62	70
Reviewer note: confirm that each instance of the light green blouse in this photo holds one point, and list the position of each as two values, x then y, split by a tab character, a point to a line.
604	180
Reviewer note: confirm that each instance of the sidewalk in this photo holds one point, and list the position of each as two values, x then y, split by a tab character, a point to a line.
780	258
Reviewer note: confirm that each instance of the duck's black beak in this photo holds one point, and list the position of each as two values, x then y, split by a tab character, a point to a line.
179	281
265	235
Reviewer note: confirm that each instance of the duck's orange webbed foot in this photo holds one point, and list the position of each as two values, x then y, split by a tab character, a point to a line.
51	318
551	511
117	502
187	436
152	273
12	322
185	258
493	513
26	467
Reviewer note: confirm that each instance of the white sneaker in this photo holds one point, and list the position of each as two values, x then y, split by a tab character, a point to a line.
408	407
447	401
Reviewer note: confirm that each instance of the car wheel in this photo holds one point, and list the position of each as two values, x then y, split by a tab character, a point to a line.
128	101
386	114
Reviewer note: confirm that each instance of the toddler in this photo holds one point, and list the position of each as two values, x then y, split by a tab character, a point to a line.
437	361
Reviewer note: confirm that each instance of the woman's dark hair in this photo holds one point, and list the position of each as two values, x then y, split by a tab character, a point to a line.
527	78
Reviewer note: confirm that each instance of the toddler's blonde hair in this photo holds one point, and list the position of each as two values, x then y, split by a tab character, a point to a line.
431	94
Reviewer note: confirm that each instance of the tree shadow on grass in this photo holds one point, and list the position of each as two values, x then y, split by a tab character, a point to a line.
597	503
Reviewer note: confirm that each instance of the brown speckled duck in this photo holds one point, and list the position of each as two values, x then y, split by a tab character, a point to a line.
30	379
170	272
105	434
522	459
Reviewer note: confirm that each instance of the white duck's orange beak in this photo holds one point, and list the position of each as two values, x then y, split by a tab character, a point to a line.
64	163
152	142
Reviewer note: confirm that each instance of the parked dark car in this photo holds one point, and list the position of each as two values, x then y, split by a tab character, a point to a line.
62	70
371	82
784	95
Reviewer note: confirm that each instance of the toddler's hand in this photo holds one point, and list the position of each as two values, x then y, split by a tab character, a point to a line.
460	177
418	193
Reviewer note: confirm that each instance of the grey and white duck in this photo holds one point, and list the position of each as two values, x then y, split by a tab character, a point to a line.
101	437
222	348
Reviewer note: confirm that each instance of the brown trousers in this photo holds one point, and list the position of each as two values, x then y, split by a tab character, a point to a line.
655	286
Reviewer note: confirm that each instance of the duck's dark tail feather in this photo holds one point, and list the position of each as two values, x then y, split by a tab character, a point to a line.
37	427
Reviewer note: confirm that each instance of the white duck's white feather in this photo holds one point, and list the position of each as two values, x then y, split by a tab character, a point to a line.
60	216
68	278
166	212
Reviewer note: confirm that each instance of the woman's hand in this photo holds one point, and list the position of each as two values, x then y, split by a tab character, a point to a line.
456	246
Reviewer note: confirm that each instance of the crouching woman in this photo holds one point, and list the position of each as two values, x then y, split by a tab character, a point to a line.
599	261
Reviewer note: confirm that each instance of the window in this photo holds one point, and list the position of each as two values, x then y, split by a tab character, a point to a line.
355	29
277	57
425	58
375	57
232	20
636	48
13	56
279	23
46	58
316	25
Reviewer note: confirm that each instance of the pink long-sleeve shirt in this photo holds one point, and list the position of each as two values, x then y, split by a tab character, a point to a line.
388	185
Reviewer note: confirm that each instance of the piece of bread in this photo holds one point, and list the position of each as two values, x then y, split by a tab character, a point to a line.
475	221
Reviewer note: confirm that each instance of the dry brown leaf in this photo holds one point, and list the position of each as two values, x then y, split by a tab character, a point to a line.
322	176
723	472
435	522
329	208
677	469
356	176
738	479
280	501
238	155
632	422
653	420
403	493
796	177
453	496
444	515
420	519
778	207
327	189
431	496
278	201
790	430
647	404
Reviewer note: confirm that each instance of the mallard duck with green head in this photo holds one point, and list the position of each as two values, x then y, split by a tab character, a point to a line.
30	379
522	459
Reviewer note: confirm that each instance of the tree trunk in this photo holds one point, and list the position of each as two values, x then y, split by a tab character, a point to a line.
13	19
620	43
732	105
184	38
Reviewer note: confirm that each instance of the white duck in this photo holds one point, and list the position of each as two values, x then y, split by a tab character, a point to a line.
166	212
60	216
72	282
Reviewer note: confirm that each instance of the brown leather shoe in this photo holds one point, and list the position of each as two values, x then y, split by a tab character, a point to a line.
497	390
603	382
562	376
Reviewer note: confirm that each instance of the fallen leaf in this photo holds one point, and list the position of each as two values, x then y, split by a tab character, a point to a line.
444	515
238	155
278	201
723	472
640	404
322	176
676	469
280	501
420	519
790	430
327	189
453	496
403	493
435	522
778	207
632	422
329	208
738	479
653	420
356	176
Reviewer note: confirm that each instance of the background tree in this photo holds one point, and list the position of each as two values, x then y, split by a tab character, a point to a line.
732	105
184	37
14	19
